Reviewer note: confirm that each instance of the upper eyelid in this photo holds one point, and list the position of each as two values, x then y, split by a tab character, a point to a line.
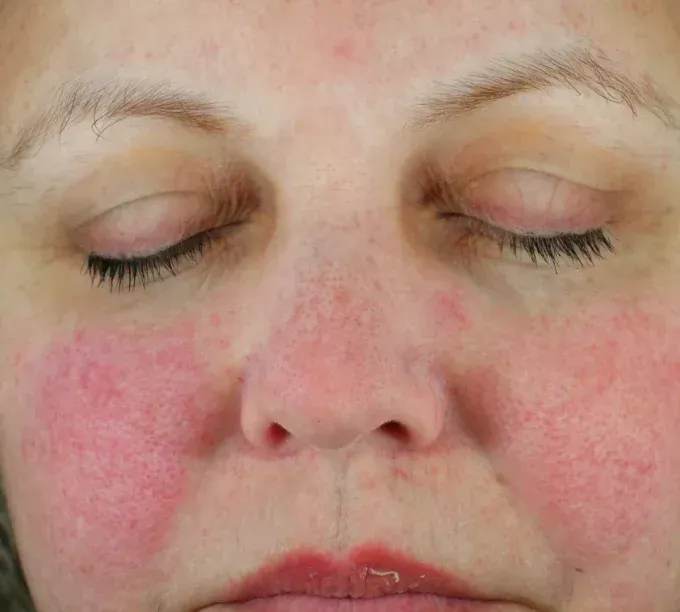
237	190
215	200
557	206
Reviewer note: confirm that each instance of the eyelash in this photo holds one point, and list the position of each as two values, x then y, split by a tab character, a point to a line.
579	248
143	270
582	248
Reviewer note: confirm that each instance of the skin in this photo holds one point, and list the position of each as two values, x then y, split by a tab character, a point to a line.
153	441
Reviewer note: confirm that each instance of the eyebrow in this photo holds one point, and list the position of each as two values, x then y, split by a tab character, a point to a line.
112	100
109	101
573	67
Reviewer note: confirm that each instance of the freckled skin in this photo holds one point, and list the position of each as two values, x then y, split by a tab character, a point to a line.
342	390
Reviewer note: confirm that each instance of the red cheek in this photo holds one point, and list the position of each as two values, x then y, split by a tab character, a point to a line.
116	417
584	417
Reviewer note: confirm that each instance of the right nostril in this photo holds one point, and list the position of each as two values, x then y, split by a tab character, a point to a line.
397	430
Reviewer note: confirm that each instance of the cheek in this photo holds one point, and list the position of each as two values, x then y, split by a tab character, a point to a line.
583	417
115	417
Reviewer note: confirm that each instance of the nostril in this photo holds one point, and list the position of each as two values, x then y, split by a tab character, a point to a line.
396	430
276	435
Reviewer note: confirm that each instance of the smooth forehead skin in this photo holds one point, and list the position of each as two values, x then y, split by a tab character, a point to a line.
341	372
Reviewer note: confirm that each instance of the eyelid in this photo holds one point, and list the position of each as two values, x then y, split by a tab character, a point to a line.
151	224
144	226
532	201
208	197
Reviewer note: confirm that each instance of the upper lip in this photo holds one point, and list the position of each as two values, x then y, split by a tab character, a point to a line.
365	572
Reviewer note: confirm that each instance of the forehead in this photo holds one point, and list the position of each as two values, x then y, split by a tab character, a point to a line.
299	41
281	59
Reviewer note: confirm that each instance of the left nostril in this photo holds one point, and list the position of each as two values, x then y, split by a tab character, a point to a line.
276	435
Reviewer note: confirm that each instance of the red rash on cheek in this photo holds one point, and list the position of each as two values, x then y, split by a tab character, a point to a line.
116	418
583	417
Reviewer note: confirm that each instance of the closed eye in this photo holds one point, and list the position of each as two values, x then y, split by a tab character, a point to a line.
128	272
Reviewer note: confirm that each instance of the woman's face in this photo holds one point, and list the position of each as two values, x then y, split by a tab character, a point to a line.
256	314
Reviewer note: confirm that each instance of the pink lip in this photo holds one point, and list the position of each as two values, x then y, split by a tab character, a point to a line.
367	572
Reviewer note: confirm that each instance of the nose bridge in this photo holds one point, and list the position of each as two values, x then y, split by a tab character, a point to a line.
330	340
330	304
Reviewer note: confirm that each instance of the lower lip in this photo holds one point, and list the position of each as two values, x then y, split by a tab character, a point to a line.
397	603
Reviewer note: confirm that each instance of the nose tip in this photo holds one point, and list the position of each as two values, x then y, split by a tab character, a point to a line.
405	410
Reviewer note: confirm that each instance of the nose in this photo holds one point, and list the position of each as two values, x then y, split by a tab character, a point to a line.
333	372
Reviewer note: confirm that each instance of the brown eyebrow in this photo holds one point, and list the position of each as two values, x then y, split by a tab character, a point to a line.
112	100
107	102
571	67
